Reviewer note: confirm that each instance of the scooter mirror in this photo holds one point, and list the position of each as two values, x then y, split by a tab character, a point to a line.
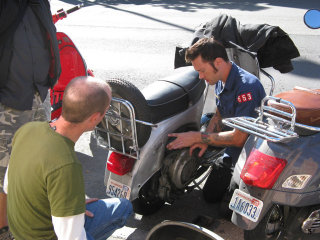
312	18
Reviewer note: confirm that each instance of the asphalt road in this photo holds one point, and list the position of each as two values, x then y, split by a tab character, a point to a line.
135	40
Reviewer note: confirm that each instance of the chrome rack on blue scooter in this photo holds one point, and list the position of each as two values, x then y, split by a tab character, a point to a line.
281	130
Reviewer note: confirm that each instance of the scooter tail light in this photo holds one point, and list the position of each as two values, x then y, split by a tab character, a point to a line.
261	170
119	163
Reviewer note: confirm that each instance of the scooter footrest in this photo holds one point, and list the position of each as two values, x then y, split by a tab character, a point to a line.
312	223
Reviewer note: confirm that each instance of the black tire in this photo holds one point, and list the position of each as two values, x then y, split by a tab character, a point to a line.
270	227
126	90
148	201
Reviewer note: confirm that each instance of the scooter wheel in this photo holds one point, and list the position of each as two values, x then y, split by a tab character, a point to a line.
147	206
270	227
120	125
148	202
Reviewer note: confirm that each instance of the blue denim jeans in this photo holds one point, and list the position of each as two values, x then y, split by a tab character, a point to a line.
109	215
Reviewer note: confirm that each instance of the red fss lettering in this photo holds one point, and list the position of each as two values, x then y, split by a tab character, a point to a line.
244	97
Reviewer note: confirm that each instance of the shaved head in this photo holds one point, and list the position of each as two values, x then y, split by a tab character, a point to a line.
83	97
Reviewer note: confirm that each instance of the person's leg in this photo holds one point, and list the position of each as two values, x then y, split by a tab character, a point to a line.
41	110
3	210
10	121
224	210
8	127
216	184
109	215
219	180
6	133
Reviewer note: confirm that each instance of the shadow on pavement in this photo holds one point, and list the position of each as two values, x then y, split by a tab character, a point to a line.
305	68
191	6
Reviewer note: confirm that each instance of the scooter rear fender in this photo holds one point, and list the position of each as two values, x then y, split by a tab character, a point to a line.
302	158
267	196
270	198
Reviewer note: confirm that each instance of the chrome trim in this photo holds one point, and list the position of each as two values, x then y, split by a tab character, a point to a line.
135	150
271	79
262	127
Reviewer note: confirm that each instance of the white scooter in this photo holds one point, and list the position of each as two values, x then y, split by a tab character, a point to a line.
135	131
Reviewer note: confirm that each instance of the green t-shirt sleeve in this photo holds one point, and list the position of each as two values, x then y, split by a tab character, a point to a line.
65	188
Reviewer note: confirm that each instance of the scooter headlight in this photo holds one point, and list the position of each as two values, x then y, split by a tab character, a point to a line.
296	181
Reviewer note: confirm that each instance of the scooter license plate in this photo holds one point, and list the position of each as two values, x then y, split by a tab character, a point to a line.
246	205
117	189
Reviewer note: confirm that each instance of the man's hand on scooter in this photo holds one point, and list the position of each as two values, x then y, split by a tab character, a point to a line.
203	147
185	139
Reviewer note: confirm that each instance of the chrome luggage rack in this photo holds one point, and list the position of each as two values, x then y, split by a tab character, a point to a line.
113	117
280	130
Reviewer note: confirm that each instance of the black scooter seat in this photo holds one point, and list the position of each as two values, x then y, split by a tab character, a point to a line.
174	94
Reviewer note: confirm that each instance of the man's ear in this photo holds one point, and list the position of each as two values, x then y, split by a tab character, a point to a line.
218	61
95	118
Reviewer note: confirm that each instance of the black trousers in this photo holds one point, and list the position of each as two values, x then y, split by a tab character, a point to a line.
220	184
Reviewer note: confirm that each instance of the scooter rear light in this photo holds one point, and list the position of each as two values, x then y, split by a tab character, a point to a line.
120	164
261	170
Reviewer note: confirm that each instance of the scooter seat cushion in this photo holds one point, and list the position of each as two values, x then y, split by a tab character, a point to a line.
174	94
306	102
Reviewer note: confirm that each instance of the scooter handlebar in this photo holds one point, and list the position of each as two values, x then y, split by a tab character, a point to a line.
63	14
75	8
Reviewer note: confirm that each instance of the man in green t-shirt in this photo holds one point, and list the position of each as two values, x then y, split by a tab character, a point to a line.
46	198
